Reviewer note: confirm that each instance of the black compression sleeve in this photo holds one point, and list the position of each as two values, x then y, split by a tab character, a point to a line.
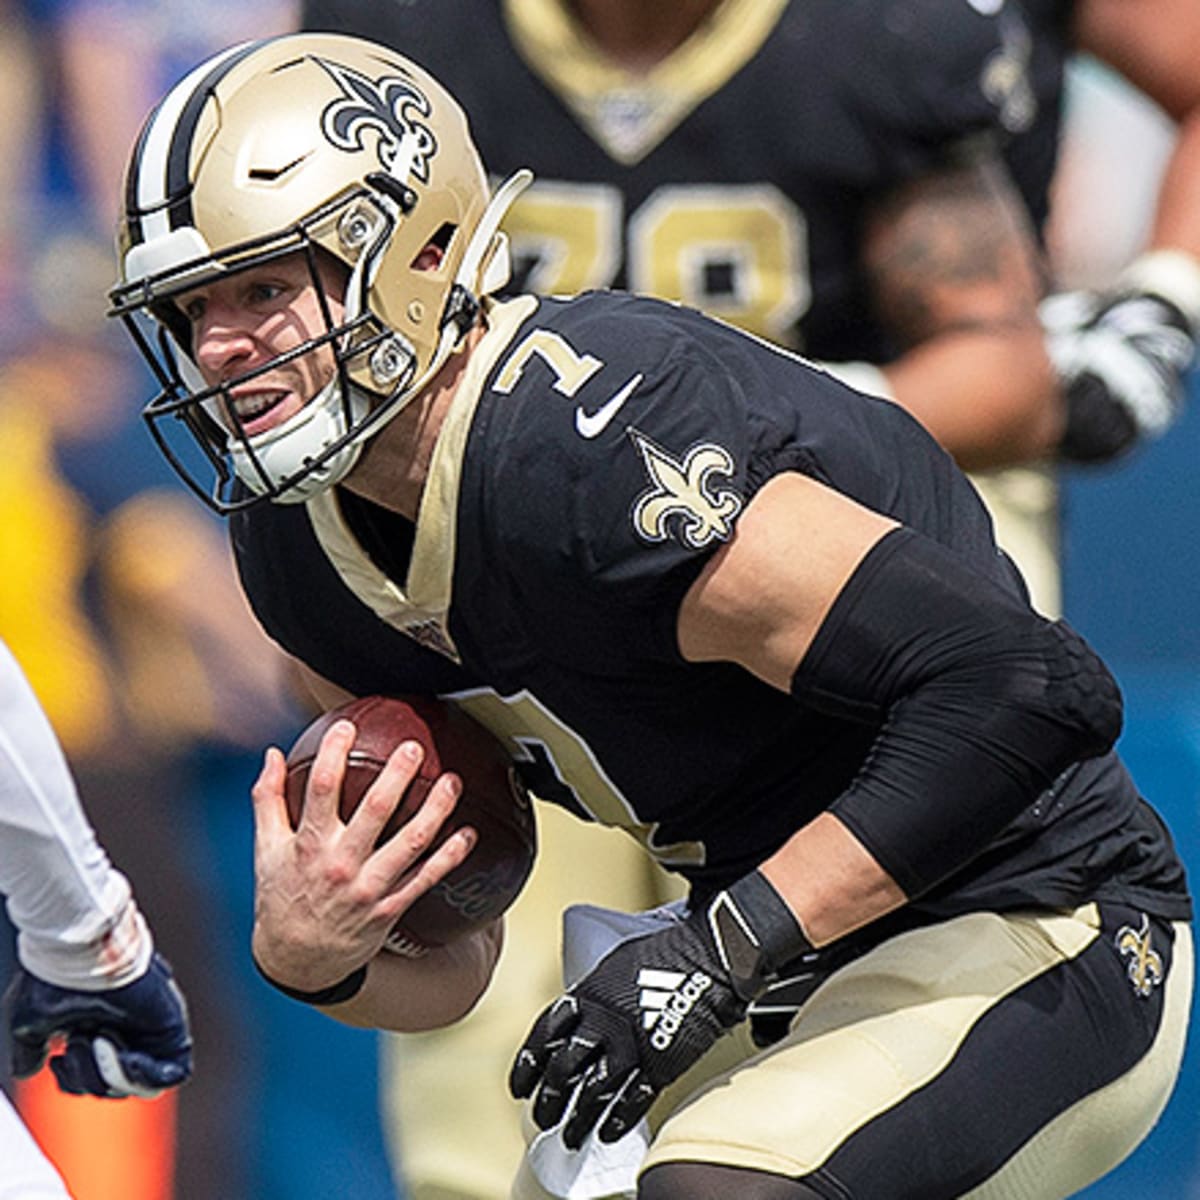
983	703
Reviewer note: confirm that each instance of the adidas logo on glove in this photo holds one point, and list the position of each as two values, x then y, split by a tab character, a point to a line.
666	997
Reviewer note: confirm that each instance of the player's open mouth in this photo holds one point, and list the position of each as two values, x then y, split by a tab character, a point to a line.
253	409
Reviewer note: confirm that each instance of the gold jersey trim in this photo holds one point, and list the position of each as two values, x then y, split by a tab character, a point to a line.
419	607
629	113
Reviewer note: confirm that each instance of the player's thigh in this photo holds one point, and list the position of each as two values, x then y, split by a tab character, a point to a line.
947	1060
1100	1130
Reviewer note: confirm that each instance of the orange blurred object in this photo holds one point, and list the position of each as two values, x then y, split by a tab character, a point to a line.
104	1149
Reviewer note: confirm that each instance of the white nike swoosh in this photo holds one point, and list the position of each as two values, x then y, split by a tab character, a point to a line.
590	425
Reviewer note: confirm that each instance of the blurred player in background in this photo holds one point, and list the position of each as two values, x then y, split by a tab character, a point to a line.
869	187
88	968
621	534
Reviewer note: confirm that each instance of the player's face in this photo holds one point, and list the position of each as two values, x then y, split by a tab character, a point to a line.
241	323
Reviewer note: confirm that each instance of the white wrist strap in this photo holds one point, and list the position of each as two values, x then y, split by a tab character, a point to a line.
1172	274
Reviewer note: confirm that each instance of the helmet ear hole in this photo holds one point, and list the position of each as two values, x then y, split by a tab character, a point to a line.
431	256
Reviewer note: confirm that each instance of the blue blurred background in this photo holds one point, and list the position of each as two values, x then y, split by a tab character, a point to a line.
1132	587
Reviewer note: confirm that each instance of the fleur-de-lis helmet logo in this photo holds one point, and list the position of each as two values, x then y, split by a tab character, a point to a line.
389	107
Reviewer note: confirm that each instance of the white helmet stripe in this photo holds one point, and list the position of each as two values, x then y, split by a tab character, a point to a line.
165	139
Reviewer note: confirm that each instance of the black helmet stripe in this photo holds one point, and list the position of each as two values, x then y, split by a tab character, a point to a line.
158	190
133	217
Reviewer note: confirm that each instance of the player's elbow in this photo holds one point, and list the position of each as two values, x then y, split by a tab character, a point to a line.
1080	691
1062	702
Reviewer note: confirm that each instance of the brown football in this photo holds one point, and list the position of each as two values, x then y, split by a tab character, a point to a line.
493	801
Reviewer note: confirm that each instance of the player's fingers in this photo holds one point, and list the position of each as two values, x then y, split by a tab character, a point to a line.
323	792
565	1068
634	1102
549	1034
427	874
405	849
267	795
600	1085
132	1073
384	796
76	1069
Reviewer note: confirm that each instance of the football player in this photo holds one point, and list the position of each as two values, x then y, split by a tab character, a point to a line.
865	182
709	595
87	968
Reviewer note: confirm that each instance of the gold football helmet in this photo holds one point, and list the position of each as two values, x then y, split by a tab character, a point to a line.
311	144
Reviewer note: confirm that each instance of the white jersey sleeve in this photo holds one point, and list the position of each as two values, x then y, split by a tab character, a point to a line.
77	924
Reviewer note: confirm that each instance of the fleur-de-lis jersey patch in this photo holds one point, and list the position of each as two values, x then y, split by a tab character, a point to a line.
685	490
1143	964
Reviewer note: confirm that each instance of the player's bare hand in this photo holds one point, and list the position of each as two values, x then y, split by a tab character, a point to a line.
326	895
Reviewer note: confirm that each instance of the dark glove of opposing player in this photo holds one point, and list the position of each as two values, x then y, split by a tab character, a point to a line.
644	1014
1122	364
127	1041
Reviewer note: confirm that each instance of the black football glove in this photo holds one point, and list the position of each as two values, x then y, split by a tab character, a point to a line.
650	1008
1122	362
127	1041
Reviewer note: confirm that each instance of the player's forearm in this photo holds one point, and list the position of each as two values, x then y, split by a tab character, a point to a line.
78	926
1154	44
410	995
830	882
955	275
990	397
1177	216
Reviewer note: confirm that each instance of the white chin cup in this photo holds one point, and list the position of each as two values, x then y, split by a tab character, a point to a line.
265	460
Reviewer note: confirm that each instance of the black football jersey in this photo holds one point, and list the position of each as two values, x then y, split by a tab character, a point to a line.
597	452
734	175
